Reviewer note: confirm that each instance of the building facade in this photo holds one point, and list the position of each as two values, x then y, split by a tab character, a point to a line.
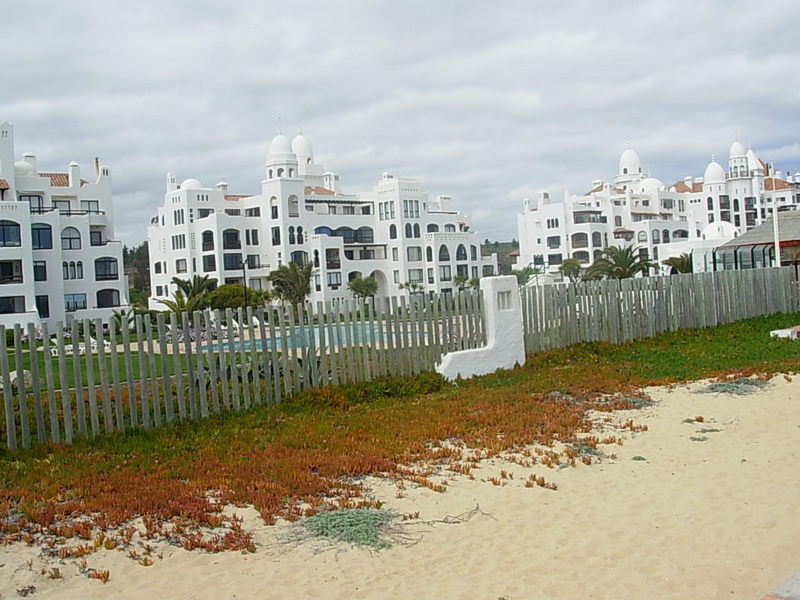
394	233
692	215
58	256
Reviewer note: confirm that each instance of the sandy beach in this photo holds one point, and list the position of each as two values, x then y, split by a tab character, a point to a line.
717	516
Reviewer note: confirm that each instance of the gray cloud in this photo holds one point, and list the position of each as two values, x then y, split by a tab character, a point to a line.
487	102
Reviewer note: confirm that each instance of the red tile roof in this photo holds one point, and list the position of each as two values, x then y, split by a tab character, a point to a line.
680	186
3	184
773	183
60	179
318	191
234	197
599	188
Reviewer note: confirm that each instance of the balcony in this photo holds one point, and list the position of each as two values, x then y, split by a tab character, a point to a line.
231	245
6	279
333	264
106	276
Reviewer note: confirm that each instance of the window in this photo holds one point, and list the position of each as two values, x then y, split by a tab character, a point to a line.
444	253
253	261
449	228
597	239
253	212
252	237
107	298
93	206
276	236
365	235
395	254
159	290
209	263
416	230
291	237
393	232
552	259
105	269
41	236
232	261
299	256
332	260
415	275
180	265
202	213
462	270
36	202
9	234
11	271
179	241
430	275
348	210
414	254
96	238
294	209
429	254
445	273
409	231
432	228
63	206
12	304
334	279
473	251
73	302
156	267
43	306
207	241
656	236
273	206
73	270
617	221
396	276
39	270
710	203
231	240
461	252
233	212
552	223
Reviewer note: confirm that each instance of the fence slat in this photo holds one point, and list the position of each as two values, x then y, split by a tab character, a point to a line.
8	398
41	432
108	419
47	353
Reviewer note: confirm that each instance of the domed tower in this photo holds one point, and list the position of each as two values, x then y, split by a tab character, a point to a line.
281	159
304	153
737	161
630	169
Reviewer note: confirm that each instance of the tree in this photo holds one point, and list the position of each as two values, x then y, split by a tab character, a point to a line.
196	286
231	295
180	303
362	287
413	287
524	275
619	263
679	264
460	281
571	269
475	283
292	283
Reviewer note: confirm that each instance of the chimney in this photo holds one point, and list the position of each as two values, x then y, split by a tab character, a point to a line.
222	186
687	181
172	184
30	159
74	174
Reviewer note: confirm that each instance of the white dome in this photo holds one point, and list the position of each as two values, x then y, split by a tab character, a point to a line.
629	163
280	145
191	184
714	173
302	147
651	185
737	150
718	230
22	168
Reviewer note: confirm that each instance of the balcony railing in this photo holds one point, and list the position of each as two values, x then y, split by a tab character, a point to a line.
333	264
106	276
10	279
38	210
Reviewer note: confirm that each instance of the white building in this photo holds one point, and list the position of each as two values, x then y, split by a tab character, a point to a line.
393	233
691	215
58	256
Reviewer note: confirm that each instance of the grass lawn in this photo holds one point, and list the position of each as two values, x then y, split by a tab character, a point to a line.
306	451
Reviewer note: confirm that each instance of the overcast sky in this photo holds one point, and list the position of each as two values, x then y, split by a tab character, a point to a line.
490	102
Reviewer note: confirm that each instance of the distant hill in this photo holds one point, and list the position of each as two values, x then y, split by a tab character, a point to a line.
502	249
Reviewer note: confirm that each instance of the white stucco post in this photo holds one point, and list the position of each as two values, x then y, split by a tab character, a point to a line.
505	345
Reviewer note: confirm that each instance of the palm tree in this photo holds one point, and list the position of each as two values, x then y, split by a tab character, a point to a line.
460	281
292	282
413	287
362	287
180	303
679	264
571	269
619	263
196	286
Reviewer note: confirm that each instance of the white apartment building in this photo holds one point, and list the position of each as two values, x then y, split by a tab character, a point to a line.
58	256
394	233
692	215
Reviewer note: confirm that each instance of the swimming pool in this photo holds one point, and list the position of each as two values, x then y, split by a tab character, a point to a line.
301	337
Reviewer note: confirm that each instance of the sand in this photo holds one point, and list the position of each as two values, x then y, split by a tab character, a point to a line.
718	518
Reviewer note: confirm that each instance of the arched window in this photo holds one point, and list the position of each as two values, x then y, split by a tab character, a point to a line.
582	256
299	256
291	172
449	227
580	240
291	235
409	231
625	171
392	232
70	239
710	203
444	253
79	269
736	204
270	174
642	236
72	272
617	221
230	240
473	252
207	240
107	298
656	236
432	228
346	233
280	172
294	206
105	269
65	268
323	230
299	235
461	252
665	236
273	207
41	236
9	234
316	258
365	235
735	171
416	230
429	254
597	239
353	275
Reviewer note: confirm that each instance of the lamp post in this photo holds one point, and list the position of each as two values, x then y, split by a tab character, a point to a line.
775	233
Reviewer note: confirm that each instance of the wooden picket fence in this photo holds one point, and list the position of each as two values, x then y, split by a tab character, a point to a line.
615	311
85	380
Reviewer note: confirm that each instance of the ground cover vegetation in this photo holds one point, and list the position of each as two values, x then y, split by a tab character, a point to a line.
306	455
